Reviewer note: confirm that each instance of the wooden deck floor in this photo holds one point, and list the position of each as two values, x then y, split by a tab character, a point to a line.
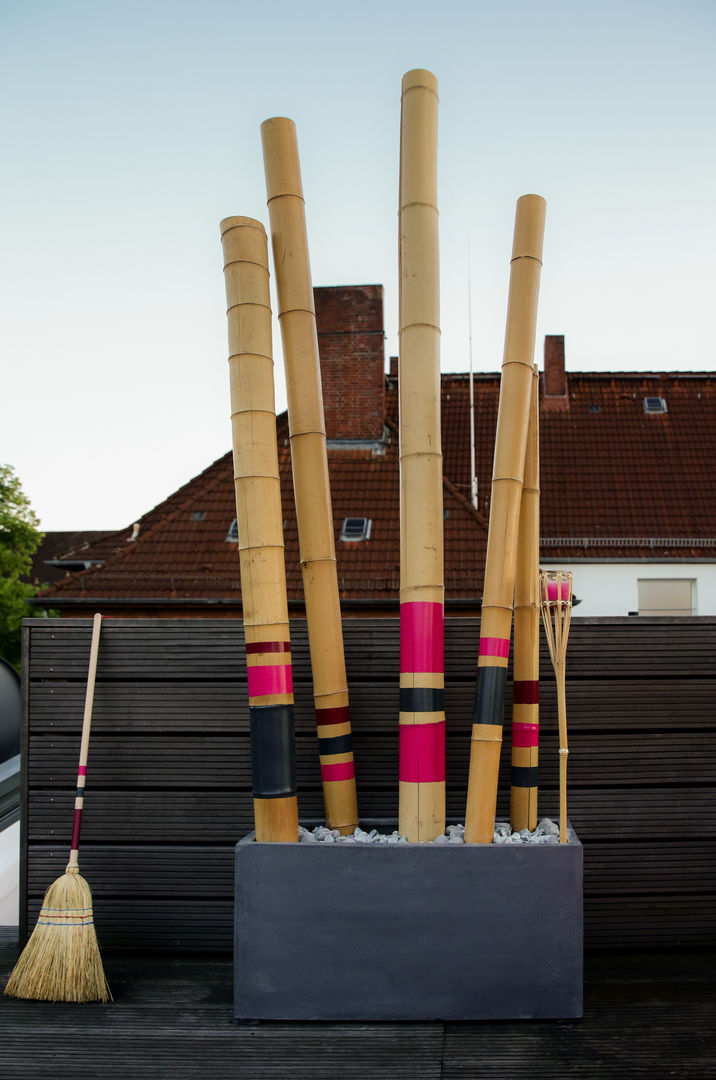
646	1015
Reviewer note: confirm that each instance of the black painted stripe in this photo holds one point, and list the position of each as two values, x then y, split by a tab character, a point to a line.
80	793
524	776
490	697
422	699
273	751
337	744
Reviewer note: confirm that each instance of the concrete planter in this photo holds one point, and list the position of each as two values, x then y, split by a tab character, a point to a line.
407	931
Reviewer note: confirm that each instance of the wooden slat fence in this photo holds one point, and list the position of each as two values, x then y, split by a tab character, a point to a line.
168	786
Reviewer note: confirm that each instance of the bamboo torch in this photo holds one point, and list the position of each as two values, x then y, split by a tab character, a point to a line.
422	679
507	478
314	513
525	709
260	527
556	605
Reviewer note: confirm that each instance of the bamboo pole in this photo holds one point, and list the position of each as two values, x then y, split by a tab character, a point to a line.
525	710
422	680
507	478
310	470
556	605
260	527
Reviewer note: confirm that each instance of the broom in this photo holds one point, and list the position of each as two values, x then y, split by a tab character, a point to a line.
61	961
556	607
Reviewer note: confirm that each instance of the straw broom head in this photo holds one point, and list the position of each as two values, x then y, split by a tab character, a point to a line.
61	961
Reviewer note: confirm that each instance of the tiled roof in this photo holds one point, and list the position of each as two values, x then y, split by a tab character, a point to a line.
175	557
59	546
616	483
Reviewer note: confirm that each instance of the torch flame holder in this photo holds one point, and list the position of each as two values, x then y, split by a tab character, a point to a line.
407	931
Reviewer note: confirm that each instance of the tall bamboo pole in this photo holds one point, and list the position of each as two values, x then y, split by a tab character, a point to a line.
307	430
422	680
525	709
507	477
260	527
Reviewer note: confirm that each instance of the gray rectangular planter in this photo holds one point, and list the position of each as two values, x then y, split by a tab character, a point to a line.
407	931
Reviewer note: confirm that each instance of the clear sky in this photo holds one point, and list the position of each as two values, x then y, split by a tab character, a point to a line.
129	129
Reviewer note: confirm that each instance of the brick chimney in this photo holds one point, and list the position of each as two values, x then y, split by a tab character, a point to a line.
349	321
554	384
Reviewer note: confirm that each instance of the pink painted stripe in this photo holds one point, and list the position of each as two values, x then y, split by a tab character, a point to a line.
552	590
495	646
421	637
422	753
270	679
342	770
526	692
525	734
82	770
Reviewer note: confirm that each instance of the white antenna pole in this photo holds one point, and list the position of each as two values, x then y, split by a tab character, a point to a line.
473	474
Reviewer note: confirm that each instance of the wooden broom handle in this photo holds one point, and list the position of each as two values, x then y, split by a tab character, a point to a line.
84	745
89	694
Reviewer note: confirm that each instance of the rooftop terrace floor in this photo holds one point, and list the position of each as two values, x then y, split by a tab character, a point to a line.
645	1015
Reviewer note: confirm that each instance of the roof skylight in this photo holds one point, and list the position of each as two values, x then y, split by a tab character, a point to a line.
654	405
355	529
233	534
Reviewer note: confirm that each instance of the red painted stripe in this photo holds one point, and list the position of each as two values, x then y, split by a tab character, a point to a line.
76	823
267	646
422	637
422	752
82	770
270	679
343	770
526	692
525	734
495	646
340	715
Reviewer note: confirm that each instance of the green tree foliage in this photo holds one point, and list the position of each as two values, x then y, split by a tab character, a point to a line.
19	539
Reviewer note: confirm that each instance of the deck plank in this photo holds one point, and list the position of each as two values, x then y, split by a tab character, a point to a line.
646	1014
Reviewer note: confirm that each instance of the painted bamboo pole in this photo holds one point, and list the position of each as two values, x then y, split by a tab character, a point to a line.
260	527
525	709
556	605
507	477
422	680
307	431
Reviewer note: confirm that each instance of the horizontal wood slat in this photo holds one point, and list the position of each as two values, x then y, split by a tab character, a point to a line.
610	869
169	766
678	647
223	761
168	707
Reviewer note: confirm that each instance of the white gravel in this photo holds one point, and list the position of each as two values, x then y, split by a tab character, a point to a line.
547	832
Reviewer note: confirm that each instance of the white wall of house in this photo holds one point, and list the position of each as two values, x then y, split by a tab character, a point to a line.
612	588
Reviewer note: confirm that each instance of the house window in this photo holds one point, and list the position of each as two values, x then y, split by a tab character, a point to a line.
666	596
654	405
355	528
233	534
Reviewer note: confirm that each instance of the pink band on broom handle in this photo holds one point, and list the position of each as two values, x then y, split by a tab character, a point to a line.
84	745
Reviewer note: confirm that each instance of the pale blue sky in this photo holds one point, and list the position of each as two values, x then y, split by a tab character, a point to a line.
130	129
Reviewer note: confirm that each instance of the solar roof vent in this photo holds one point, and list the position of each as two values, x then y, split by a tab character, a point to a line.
233	534
654	405
355	528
